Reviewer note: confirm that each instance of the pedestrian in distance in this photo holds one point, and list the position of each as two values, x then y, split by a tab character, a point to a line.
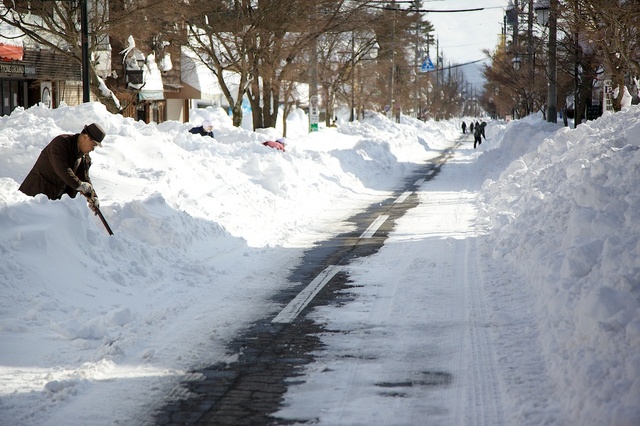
206	129
482	126
477	135
278	144
464	127
471	127
63	167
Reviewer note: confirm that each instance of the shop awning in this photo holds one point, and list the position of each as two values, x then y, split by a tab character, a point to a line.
10	52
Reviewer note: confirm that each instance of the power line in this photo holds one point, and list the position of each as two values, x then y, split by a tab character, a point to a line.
449	67
477	9
453	46
466	63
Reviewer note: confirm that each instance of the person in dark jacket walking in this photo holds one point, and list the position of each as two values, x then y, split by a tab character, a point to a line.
464	127
63	166
477	135
205	130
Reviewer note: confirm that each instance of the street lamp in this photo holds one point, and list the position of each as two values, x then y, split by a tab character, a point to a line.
516	63
547	11
542	8
373	52
134	69
138	56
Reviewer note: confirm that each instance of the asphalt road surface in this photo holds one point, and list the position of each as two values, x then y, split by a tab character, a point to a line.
274	350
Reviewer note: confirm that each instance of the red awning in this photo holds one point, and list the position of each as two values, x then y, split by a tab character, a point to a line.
9	52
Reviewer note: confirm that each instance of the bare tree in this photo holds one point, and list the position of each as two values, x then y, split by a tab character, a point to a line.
257	48
511	89
267	44
611	28
57	25
261	42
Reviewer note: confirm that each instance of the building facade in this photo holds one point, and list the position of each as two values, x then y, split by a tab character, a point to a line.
31	76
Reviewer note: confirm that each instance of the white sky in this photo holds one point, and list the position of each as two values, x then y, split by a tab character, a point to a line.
516	277
463	35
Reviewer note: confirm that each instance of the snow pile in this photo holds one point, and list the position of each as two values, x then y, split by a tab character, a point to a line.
567	216
99	328
205	232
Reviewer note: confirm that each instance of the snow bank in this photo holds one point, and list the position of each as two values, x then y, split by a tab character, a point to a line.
205	232
566	216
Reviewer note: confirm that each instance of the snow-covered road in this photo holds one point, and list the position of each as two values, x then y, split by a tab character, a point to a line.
509	295
415	343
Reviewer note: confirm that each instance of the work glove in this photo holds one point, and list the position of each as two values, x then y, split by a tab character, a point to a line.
86	188
94	203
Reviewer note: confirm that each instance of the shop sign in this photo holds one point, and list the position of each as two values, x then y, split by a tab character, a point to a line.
11	69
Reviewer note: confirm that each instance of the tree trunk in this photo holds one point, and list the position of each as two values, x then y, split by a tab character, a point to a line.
108	101
618	81
256	107
327	107
237	113
284	121
270	100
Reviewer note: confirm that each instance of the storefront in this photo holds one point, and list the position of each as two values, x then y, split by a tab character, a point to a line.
12	90
36	76
151	106
13	87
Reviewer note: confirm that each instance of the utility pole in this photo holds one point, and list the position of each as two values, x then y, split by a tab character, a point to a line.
577	101
314	115
353	76
437	64
417	58
393	60
516	28
552	111
530	54
86	94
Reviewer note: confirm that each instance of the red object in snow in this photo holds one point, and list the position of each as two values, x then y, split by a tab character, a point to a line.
272	144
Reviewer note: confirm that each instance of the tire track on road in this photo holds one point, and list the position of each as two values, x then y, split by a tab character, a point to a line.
485	396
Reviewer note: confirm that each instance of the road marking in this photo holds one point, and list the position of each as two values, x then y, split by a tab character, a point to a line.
374	226
419	182
403	197
430	172
293	309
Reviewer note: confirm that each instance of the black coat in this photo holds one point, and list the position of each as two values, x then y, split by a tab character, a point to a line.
59	169
199	130
477	132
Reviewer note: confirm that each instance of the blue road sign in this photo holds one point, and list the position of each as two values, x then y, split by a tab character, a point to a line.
427	65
